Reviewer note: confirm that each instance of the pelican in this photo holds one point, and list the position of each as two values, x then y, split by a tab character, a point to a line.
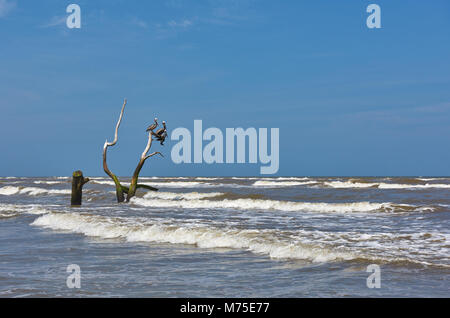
153	126
161	133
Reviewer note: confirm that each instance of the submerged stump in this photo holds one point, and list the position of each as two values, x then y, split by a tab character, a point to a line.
78	181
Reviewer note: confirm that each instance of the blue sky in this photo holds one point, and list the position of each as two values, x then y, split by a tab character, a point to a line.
348	100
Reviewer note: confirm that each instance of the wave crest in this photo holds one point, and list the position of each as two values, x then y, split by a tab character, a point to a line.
10	190
289	206
263	183
204	237
181	196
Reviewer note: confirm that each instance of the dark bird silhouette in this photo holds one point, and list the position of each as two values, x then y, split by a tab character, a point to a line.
161	133
153	126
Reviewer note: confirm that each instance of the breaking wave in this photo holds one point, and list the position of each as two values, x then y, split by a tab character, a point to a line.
350	184
288	206
168	184
313	246
12	210
272	184
257	241
413	186
49	182
181	196
9	190
285	182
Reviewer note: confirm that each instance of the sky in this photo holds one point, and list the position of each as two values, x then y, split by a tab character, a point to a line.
348	100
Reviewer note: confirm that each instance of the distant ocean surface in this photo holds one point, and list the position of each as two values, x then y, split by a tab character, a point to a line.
227	237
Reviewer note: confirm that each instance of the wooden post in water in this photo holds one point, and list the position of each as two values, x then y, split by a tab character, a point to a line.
78	181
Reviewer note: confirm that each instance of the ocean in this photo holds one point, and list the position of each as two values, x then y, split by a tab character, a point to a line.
227	237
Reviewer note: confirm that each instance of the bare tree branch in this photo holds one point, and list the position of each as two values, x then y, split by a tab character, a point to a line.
152	154
139	186
119	189
149	144
144	186
117	126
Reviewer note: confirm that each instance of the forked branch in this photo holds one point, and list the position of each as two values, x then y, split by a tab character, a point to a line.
134	180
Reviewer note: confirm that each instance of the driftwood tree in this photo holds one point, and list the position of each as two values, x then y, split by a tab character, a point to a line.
120	189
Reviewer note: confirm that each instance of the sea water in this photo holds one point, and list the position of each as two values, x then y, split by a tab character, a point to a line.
227	237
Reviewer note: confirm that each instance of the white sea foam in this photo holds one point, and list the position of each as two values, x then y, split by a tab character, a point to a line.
275	184
314	246
169	184
142	178
349	184
101	181
271	179
263	242
289	206
412	186
48	182
9	190
11	210
40	191
180	196
165	178
406	245
292	178
182	184
203	183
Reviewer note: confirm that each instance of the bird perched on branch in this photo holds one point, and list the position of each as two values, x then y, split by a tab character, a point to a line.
161	133
153	126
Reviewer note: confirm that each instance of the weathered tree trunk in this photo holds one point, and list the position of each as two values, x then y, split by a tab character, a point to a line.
78	181
119	188
134	180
